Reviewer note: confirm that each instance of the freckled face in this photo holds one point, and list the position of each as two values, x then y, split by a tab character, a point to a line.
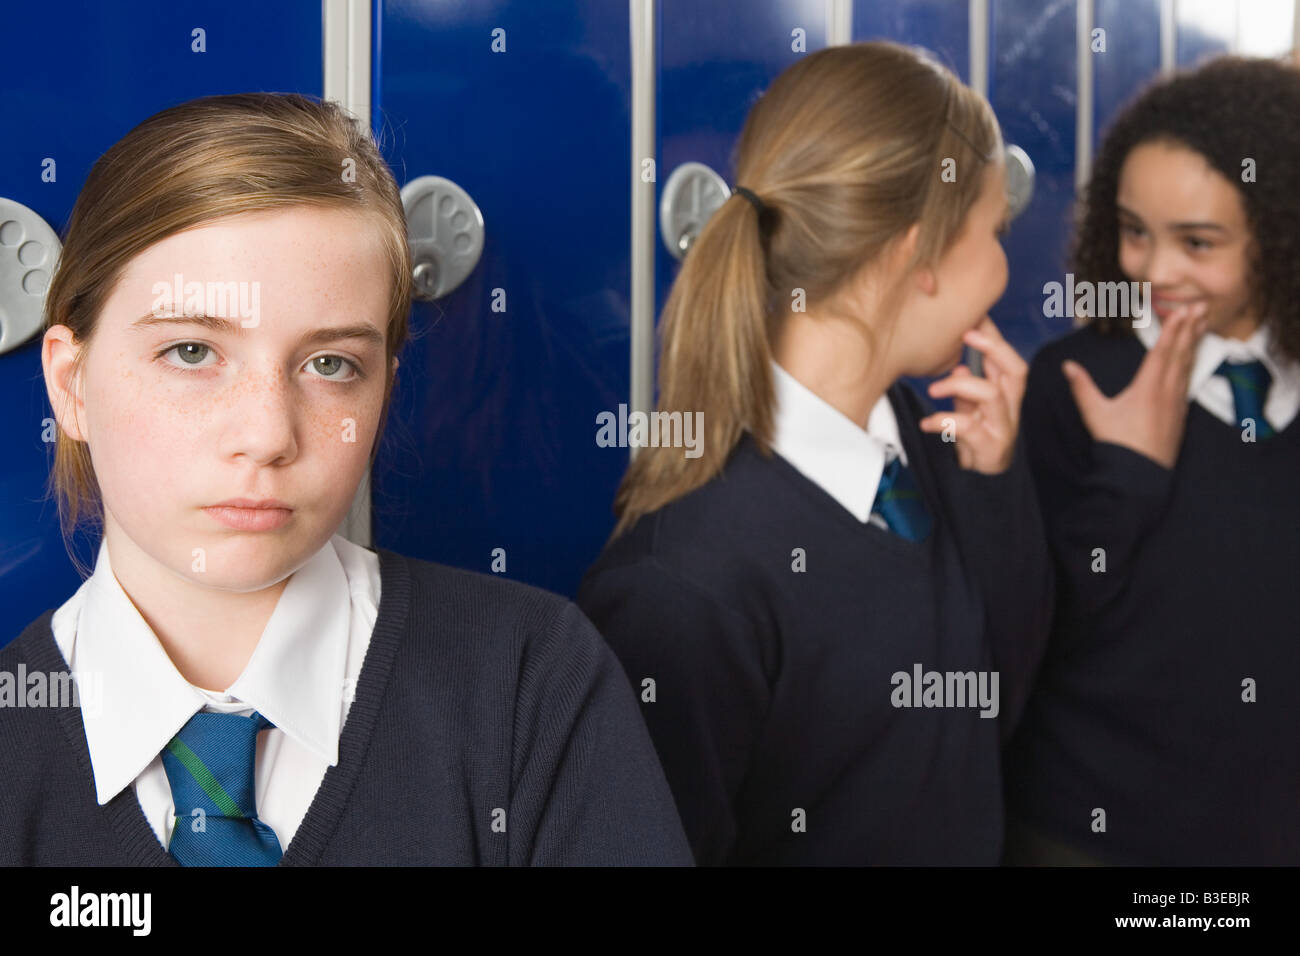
180	417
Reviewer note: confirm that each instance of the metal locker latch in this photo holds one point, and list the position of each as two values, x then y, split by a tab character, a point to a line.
691	195
444	228
1020	179
29	249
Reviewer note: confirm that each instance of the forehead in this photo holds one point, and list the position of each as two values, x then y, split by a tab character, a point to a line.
301	256
1174	182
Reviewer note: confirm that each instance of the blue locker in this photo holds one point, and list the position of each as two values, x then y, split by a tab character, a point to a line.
491	439
1131	60
1033	86
941	26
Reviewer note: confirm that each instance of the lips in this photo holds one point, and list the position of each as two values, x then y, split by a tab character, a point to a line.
252	503
1164	307
247	514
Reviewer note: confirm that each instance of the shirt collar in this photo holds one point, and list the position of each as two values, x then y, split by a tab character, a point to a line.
829	448
1214	349
142	700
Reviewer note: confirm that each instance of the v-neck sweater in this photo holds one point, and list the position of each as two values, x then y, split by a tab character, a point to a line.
773	623
491	725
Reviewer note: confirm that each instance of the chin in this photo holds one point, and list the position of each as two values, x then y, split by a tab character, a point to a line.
946	365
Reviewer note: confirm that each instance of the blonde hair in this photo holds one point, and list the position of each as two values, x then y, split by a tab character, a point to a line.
194	163
845	151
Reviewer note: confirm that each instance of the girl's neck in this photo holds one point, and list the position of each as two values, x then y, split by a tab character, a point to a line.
834	358
208	634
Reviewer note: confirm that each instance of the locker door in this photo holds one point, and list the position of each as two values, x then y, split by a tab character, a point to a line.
1131	58
491	444
941	26
716	58
1033	90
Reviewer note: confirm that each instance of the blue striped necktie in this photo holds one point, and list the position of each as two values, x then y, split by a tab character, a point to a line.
209	765
899	502
1250	382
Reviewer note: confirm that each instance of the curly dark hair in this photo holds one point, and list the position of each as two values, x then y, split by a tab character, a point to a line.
1228	109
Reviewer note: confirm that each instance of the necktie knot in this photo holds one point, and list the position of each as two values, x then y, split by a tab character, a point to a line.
899	502
210	765
1249	382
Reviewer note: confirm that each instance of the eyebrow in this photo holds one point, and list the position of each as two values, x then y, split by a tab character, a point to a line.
365	332
1124	211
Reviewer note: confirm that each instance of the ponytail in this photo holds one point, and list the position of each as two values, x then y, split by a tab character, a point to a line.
840	157
715	360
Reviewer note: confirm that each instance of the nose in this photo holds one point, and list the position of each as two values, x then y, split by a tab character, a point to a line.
262	417
1162	266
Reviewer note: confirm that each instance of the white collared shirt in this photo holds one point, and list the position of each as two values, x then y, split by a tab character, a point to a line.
301	676
1214	394
832	450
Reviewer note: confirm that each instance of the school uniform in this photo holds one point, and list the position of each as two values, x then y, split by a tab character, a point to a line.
1163	727
418	714
763	618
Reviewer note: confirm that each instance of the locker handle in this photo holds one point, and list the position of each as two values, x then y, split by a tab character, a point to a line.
444	228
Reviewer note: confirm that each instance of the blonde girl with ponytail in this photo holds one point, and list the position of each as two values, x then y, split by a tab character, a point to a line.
831	614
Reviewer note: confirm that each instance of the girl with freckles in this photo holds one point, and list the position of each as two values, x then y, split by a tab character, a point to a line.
273	693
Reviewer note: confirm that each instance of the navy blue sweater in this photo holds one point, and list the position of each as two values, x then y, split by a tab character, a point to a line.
477	695
1139	709
772	708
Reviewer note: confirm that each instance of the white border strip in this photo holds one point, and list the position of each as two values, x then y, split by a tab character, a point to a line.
839	22
979	47
1083	110
345	54
345	38
642	16
1168	36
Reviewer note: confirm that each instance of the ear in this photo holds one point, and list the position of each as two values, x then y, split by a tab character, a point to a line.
58	355
923	277
926	280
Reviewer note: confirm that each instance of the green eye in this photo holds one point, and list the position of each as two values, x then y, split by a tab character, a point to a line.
332	364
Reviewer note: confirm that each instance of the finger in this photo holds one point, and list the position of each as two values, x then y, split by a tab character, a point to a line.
940	421
971	387
1183	349
1012	388
988	327
983	400
996	350
1004	367
973	428
1087	396
1157	366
